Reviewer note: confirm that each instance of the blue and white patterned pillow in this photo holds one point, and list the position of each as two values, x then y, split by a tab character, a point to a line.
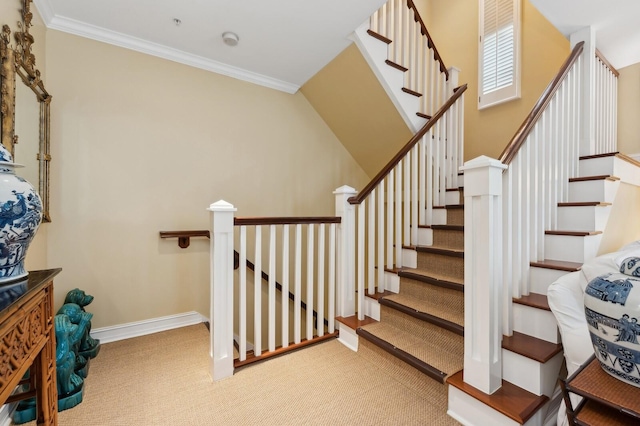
631	266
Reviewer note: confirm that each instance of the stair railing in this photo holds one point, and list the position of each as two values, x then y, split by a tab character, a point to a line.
606	105
401	198
268	325
506	219
412	48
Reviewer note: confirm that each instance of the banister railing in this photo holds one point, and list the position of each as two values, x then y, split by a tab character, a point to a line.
412	49
606	105
305	310
530	121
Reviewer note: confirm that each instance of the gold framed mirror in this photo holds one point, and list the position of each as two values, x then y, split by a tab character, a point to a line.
27	134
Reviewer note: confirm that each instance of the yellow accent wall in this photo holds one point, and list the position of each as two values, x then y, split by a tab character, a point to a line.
628	109
454	28
348	96
141	145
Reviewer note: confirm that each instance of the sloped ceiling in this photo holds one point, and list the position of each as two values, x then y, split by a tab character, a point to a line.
282	43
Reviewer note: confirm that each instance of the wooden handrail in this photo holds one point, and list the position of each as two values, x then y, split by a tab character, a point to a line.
604	60
527	125
242	221
431	44
358	199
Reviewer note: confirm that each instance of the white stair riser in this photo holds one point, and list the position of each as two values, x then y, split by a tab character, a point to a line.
541	278
535	322
452	197
372	308
392	282
347	336
409	258
471	412
571	248
585	218
538	378
392	80
439	216
593	190
425	236
596	167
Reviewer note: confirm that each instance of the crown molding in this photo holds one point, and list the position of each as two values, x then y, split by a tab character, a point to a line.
71	26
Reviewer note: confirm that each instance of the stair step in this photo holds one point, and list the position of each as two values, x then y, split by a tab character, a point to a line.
396	66
422	115
420	309
572	247
425	349
412	92
354	323
573	233
448	227
377	295
430	278
590	178
441	251
379	37
584	204
558	265
531	347
509	400
448	236
583	215
583	189
444	262
534	300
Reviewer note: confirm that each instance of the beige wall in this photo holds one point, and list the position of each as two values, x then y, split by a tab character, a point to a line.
141	145
454	28
347	95
628	110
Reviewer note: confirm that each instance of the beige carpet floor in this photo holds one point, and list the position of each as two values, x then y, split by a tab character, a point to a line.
162	379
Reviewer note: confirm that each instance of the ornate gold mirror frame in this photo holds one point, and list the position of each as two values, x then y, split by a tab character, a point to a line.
21	61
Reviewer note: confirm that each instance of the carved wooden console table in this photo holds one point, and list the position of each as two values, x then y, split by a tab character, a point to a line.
27	343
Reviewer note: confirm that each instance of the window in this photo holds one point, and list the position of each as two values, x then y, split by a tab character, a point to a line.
499	52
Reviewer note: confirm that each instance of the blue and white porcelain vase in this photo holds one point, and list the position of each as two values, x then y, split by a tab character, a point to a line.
20	216
612	309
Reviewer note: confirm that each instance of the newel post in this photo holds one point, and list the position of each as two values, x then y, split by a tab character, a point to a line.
345	252
483	286
587	89
221	285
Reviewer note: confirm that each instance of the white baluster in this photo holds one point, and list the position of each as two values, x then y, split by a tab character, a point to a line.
332	278
390	222
310	282
398	214
406	198
297	285
285	286
381	240
415	152
345	252
242	312
321	281
272	288
257	294
371	240
360	258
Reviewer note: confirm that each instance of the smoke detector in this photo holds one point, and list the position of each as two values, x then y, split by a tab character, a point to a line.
230	38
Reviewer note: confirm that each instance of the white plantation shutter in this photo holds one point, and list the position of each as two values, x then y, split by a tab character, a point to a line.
499	52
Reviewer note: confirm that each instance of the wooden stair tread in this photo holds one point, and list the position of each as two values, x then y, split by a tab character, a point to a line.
424	311
396	65
589	178
420	114
594	414
573	233
585	204
425	354
379	37
531	347
377	295
353	322
412	92
440	250
448	227
510	400
558	265
432	278
606	154
450	206
534	300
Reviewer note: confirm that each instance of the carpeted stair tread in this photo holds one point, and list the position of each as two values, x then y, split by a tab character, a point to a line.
433	278
444	355
444	307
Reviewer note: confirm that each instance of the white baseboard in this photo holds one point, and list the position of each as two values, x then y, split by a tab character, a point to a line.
142	328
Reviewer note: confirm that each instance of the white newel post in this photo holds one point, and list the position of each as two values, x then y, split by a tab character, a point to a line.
482	273
221	287
587	88
345	252
452	82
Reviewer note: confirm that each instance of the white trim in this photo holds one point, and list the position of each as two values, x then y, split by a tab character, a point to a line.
635	156
93	32
142	328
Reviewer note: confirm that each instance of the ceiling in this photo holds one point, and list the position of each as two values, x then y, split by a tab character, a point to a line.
616	24
282	43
